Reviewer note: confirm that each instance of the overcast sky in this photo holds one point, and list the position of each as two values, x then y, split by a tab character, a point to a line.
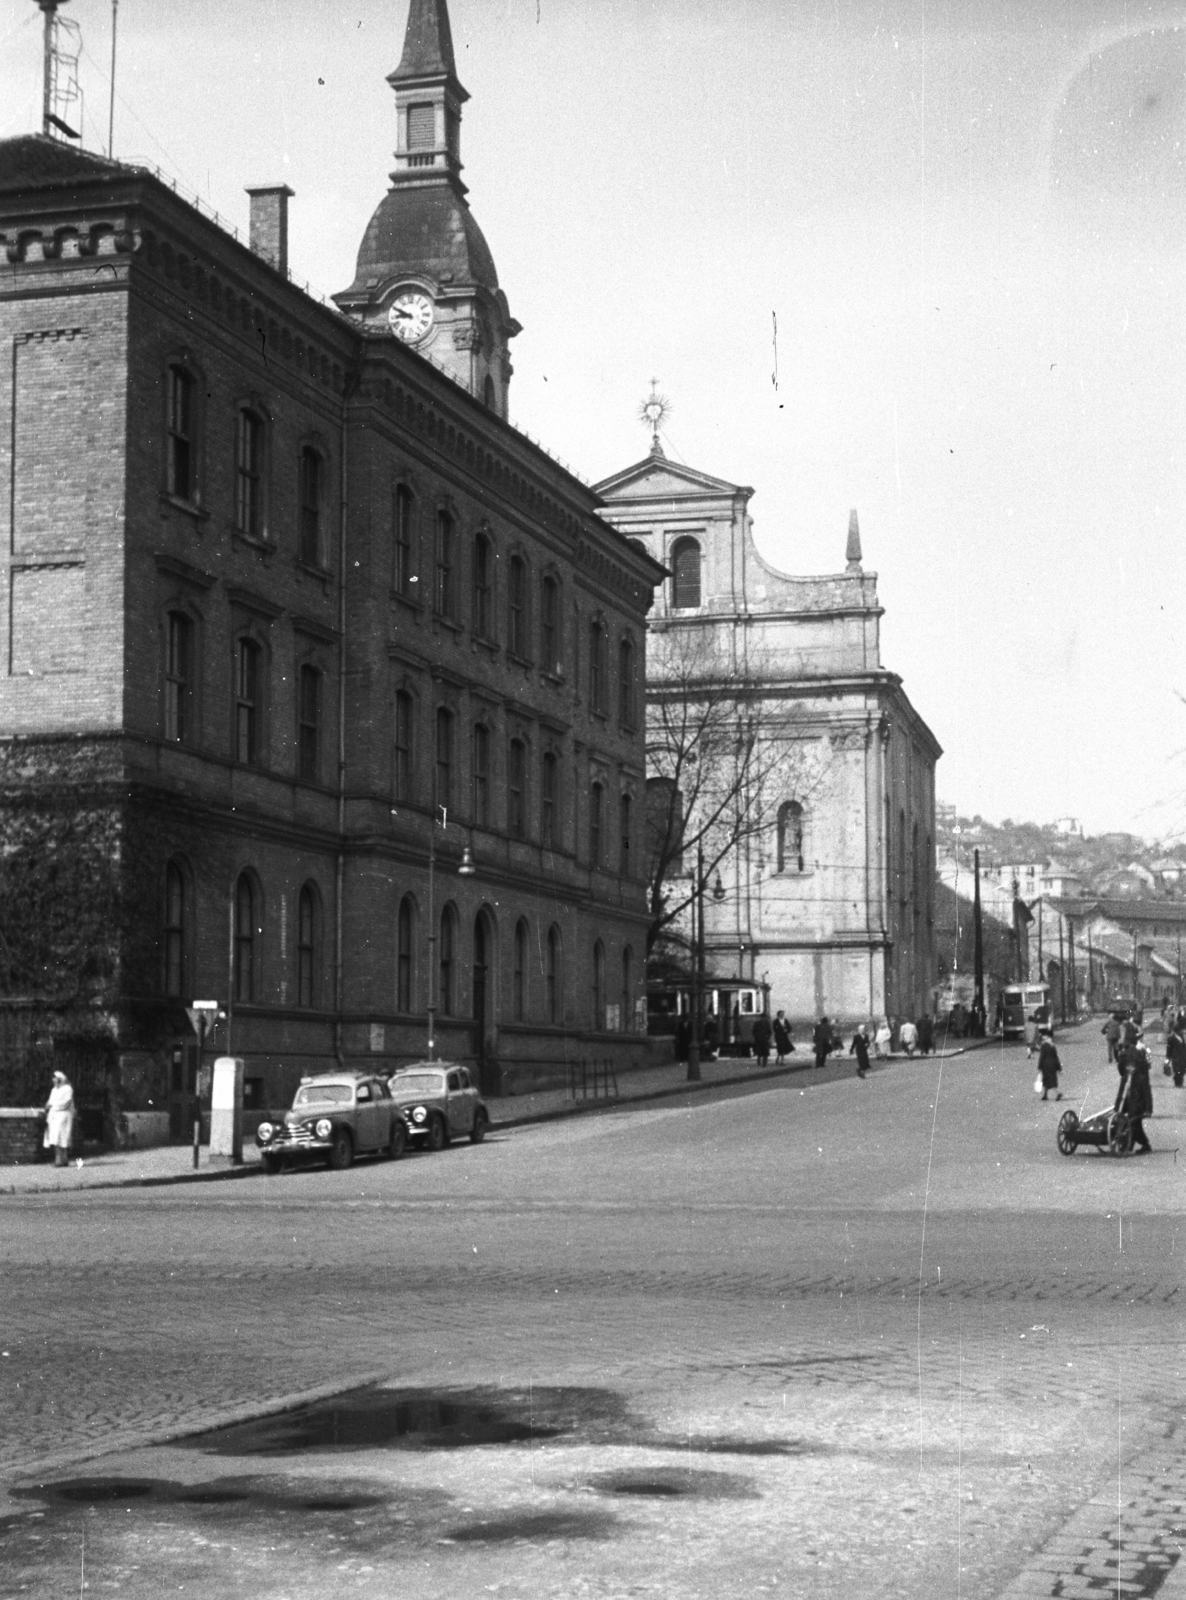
965	221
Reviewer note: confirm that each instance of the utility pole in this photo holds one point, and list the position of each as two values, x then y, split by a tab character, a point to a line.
49	117
978	1005
1062	971
698	976
111	109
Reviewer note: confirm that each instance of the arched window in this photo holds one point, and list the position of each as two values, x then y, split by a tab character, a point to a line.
627	990
552	974
247	700
176	907
179	634
246	928
627	707
625	834
598	671
445	560
309	724
444	761
307	941
596	797
549	779
402	775
549	625
403	956
447	954
403	569
519	974
517	642
685	574
517	789
598	994
181	473
483	620
481	775
792	837
249	474
311	480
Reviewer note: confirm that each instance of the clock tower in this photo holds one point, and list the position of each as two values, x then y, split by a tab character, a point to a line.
425	274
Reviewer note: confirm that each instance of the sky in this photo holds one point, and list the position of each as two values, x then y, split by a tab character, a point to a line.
925	258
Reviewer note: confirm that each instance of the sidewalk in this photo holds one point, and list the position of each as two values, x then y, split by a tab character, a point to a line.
173	1164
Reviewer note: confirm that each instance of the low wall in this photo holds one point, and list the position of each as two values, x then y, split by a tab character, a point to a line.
143	1130
22	1129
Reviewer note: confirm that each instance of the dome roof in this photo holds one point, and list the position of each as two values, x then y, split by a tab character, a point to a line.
424	231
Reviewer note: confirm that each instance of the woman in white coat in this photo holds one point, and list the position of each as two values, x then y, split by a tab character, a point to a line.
59	1120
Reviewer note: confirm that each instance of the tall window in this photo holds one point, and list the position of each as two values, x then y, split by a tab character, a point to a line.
625	833
549	780
549	625
403	957
517	789
174	931
309	729
178	652
517	608
626	702
685	574
627	990
402	776
481	807
182	478
552	973
307	947
445	598
519	975
889	860
597	665
245	930
791	838
596	796
249	469
483	585
447	996
402	570
444	762
247	687
914	897
598	985
902	858
310	486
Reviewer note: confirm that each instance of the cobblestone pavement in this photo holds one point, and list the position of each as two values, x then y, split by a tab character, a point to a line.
822	1339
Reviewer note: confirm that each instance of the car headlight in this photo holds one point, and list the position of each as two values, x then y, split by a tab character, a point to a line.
264	1132
419	1114
323	1127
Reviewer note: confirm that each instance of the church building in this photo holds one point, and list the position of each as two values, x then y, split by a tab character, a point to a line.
823	888
321	685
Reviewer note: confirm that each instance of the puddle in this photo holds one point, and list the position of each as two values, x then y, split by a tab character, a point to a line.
249	1495
675	1483
537	1525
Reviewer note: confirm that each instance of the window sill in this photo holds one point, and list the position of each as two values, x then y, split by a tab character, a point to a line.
265	549
556	679
440	621
189	508
323	575
412	602
520	661
490	646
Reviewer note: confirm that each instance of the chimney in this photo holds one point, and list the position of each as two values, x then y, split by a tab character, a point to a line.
852	553
268	235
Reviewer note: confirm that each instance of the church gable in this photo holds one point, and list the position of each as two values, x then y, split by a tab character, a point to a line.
656	478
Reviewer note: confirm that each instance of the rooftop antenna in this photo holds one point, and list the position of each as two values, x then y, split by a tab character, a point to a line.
60	86
111	108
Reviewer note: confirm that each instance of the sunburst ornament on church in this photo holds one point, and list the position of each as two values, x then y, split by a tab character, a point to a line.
653	413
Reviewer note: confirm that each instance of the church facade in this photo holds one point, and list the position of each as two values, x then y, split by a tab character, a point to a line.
824	888
290	611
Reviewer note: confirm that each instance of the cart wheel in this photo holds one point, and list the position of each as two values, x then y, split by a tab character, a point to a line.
1119	1134
1068	1123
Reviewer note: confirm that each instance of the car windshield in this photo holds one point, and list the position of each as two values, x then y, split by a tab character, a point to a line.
427	1082
334	1094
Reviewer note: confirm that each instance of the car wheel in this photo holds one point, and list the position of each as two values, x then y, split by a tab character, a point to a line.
272	1164
341	1152
398	1142
481	1123
438	1134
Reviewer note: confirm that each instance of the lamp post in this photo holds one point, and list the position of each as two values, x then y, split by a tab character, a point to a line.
718	894
466	869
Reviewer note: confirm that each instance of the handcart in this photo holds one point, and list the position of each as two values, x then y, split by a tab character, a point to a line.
1107	1130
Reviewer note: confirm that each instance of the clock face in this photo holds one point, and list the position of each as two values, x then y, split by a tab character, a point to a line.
410	316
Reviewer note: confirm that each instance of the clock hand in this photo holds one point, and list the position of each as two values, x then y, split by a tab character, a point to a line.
396	312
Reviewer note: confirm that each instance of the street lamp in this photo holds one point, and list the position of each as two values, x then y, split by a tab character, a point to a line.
466	869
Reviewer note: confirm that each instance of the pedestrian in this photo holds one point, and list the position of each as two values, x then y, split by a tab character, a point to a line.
926	1034
908	1037
783	1042
821	1040
1175	1055
683	1038
59	1120
762	1033
958	1019
860	1049
712	1037
1031	1032
882	1038
1111	1033
1135	1094
1049	1067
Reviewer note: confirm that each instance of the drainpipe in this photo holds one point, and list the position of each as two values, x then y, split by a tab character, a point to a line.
340	862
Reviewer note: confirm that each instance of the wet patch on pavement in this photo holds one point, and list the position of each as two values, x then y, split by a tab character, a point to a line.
252	1495
536	1525
674	1483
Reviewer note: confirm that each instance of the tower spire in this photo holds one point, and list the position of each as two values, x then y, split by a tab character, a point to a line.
852	552
428	42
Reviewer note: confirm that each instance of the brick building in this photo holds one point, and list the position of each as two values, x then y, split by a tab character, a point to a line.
278	575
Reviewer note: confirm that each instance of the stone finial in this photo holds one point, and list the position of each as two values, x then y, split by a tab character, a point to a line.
852	552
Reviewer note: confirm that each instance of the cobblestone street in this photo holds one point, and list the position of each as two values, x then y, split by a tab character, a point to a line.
820	1338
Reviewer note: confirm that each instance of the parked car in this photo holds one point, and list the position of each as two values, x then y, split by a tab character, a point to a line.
439	1103
334	1118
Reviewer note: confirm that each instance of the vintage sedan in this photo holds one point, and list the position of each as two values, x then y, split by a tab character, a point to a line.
439	1103
334	1118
